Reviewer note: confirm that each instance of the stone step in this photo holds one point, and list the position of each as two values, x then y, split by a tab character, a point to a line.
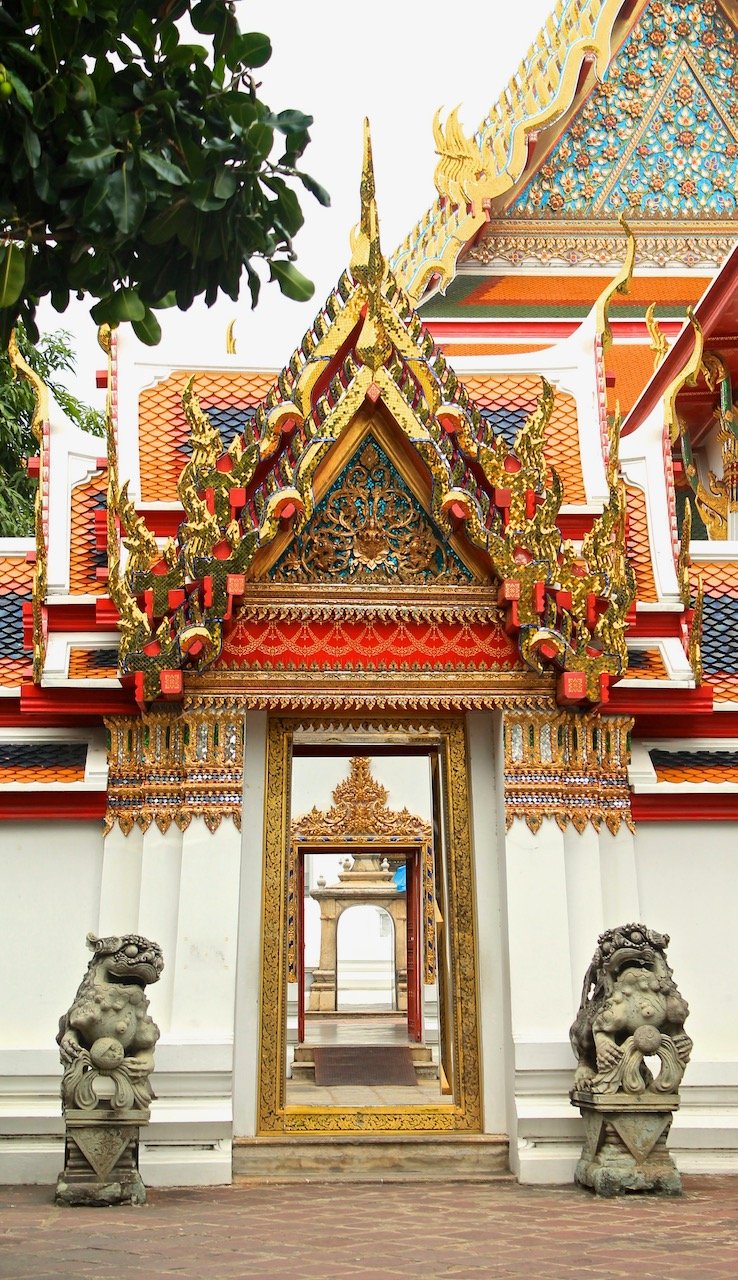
303	1065
372	1158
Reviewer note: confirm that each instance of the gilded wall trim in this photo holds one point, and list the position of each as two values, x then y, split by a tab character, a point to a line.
569	767
170	767
463	1113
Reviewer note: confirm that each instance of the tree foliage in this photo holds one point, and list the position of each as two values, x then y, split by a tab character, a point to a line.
137	167
17	490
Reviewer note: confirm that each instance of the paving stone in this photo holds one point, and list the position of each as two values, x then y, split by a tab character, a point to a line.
376	1232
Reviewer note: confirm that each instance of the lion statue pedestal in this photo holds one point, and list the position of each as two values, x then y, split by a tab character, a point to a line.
631	1012
106	1044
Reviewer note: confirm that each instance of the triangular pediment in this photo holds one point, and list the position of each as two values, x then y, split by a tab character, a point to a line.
658	136
371	530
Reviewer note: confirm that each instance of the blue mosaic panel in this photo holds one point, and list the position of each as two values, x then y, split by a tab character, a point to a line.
720	635
659	135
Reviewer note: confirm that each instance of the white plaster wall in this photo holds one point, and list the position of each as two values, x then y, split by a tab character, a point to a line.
51	876
563	888
688	883
61	881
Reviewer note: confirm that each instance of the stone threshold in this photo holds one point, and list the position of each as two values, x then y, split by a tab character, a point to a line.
391	1157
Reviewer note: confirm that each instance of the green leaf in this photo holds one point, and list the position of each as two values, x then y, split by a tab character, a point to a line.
252	49
315	189
124	304
126	198
12	273
21	92
225	185
166	225
292	282
164	169
31	146
292	122
148	330
88	159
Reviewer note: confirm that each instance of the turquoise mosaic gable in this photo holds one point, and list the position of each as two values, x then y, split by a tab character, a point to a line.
659	136
370	529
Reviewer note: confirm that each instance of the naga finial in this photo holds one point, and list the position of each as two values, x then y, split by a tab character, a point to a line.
620	284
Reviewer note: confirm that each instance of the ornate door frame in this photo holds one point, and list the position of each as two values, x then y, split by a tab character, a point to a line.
463	1111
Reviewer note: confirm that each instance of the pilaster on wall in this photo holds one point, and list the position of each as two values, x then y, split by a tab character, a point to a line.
564	887
181	889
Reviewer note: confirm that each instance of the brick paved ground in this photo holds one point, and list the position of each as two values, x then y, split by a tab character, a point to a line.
376	1232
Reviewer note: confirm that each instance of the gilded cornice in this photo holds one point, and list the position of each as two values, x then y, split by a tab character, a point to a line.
472	172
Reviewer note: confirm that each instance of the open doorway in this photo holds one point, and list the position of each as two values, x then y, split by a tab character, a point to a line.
363	1023
368	943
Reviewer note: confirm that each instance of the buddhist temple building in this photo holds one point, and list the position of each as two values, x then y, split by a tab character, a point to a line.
438	626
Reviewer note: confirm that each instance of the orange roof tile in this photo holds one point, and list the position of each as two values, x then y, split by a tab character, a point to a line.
16	579
163	430
571	289
518	393
85	559
638	545
645	664
632	365
93	664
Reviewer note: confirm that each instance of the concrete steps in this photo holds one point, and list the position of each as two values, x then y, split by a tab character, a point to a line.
372	1158
303	1065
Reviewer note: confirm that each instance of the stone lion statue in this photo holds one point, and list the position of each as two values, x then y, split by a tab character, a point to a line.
630	1010
107	1032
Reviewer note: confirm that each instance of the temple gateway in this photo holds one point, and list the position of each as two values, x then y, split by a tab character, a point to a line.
377	689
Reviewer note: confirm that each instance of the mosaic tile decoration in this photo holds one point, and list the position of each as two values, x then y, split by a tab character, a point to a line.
85	557
695	766
658	136
93	664
42	762
16	577
720	627
229	400
505	401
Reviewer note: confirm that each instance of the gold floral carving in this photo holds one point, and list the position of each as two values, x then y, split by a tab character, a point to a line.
463	1112
370	532
170	767
360	816
573	768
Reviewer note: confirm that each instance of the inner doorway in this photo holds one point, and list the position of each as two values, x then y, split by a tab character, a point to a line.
364	976
341	791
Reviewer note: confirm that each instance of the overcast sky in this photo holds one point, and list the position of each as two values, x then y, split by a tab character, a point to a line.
395	62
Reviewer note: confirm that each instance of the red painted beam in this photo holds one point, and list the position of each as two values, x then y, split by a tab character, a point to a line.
668	703
52	806
684	806
714	724
94	703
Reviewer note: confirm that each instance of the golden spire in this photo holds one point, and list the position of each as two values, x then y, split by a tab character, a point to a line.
368	266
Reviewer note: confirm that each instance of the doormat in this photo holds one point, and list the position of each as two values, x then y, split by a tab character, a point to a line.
364	1064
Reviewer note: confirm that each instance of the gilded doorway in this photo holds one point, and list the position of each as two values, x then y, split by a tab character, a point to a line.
439	945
